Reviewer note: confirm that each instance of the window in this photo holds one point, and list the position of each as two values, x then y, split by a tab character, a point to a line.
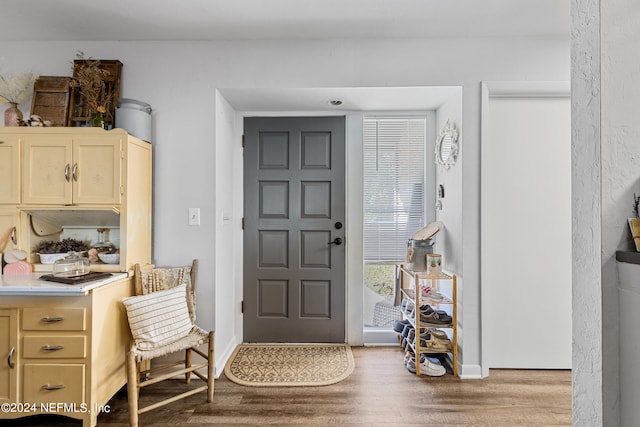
394	205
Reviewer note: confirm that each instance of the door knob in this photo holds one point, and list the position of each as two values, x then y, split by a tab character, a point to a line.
337	241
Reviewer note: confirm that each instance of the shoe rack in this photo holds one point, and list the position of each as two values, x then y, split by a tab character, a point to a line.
411	283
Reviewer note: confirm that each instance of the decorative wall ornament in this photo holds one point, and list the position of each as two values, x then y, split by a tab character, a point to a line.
447	146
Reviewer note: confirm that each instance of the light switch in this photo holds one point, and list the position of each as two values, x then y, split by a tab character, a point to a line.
194	216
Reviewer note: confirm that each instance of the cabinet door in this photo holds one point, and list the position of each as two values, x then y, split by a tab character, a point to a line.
8	341
96	170
47	163
10	219
9	169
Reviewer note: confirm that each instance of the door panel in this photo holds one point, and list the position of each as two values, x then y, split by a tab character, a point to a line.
294	277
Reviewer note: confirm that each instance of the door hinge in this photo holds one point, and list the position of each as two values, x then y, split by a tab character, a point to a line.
121	189
243	223
242	141
241	306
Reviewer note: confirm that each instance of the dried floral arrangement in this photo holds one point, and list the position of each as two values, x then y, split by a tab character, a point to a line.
636	206
89	78
63	246
17	88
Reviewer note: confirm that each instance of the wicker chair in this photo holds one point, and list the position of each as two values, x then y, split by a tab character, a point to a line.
159	291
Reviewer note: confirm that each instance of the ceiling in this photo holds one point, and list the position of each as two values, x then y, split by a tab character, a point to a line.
210	20
205	20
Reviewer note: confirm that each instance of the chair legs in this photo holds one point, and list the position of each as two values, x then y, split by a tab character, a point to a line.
132	388
187	364
134	380
210	369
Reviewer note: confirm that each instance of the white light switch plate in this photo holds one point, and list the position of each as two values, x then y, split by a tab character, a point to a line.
194	216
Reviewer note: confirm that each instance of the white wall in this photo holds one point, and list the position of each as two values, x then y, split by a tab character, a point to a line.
179	80
450	243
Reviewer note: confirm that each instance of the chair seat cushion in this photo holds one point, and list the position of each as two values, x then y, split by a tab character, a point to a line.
158	318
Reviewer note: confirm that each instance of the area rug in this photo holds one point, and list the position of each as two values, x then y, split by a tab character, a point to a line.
292	365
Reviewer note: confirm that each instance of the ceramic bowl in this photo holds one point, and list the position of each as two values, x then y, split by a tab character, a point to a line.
109	258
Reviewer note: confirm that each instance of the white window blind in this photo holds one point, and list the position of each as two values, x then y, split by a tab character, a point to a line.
394	183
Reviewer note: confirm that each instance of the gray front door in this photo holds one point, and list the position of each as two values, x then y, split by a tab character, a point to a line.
294	211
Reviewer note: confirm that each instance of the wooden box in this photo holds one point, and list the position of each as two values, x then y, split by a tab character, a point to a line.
51	99
78	111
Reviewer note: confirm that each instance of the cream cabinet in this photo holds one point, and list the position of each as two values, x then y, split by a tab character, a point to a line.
8	346
69	178
67	350
10	188
71	169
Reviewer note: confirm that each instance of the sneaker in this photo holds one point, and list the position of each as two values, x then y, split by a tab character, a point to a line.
428	292
409	356
426	309
435	318
426	368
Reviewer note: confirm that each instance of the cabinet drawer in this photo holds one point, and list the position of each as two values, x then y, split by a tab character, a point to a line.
53	319
64	383
54	347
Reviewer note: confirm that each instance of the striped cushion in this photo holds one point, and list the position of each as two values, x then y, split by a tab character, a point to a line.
158	318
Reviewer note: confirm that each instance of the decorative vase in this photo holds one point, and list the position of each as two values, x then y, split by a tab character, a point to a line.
12	115
98	120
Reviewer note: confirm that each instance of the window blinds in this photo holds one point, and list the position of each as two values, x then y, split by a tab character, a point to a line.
394	183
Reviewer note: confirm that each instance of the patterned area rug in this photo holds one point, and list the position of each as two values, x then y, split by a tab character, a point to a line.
292	365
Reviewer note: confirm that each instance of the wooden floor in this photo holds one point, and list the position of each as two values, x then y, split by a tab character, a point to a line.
379	392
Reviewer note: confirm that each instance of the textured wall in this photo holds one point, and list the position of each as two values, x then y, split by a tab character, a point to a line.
620	104
586	213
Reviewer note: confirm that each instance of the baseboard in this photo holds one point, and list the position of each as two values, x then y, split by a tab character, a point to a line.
223	357
470	372
380	337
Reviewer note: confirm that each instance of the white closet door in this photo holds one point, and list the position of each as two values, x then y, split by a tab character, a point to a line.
526	232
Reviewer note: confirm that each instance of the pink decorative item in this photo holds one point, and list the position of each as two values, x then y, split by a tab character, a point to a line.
17	268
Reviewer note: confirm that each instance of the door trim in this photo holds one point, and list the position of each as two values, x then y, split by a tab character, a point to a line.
495	89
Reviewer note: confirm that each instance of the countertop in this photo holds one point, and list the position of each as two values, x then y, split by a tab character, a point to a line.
31	284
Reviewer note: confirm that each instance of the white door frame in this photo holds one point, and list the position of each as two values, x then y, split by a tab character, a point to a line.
489	90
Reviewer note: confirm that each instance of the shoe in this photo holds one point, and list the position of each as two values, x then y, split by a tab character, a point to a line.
436	344
399	325
426	309
409	355
405	331
406	306
428	292
426	368
436	333
435	318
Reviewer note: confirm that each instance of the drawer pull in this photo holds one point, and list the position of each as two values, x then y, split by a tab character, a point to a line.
52	348
52	387
66	172
14	239
52	319
10	358
74	171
